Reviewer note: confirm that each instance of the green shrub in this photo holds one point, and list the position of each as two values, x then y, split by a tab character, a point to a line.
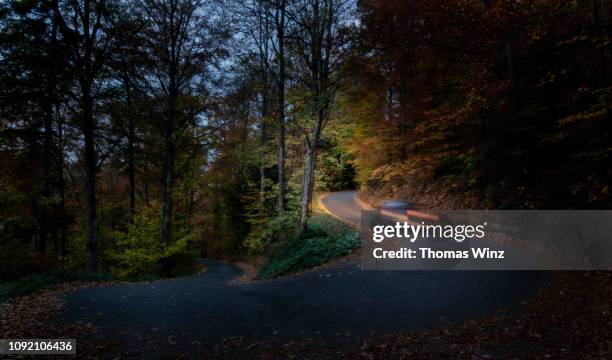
272	231
267	228
325	239
139	253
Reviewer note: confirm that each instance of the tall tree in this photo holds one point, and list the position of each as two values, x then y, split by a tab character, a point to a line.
269	32
280	23
31	66
88	29
318	47
182	40
128	67
255	23
263	38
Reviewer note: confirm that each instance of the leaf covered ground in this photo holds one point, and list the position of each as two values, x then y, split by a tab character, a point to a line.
570	319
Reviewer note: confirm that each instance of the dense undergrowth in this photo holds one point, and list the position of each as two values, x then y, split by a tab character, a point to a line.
136	255
326	239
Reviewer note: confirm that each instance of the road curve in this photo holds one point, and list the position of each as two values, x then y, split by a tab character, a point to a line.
343	206
197	312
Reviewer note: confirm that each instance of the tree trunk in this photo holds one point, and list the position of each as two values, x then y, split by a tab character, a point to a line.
132	186
168	184
90	181
131	138
61	185
307	187
280	32
264	56
264	139
190	209
47	145
145	185
309	171
281	165
262	166
48	138
320	48
83	41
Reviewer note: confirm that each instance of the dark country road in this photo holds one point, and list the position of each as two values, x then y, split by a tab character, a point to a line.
343	206
323	303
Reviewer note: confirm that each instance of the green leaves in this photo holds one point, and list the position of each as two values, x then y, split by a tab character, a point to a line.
324	240
139	252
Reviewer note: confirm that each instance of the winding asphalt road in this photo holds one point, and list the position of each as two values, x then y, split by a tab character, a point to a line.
343	206
322	303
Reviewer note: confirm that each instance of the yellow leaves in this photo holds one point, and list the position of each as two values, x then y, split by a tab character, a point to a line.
139	251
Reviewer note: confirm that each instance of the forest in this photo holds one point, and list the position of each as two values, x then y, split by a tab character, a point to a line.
150	139
137	135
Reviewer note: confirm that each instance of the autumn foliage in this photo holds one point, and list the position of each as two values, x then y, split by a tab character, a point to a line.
506	102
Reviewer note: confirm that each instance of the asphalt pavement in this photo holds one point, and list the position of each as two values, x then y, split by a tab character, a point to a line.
325	303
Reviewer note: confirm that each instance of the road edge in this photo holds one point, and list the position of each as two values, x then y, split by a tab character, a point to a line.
321	207
360	203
